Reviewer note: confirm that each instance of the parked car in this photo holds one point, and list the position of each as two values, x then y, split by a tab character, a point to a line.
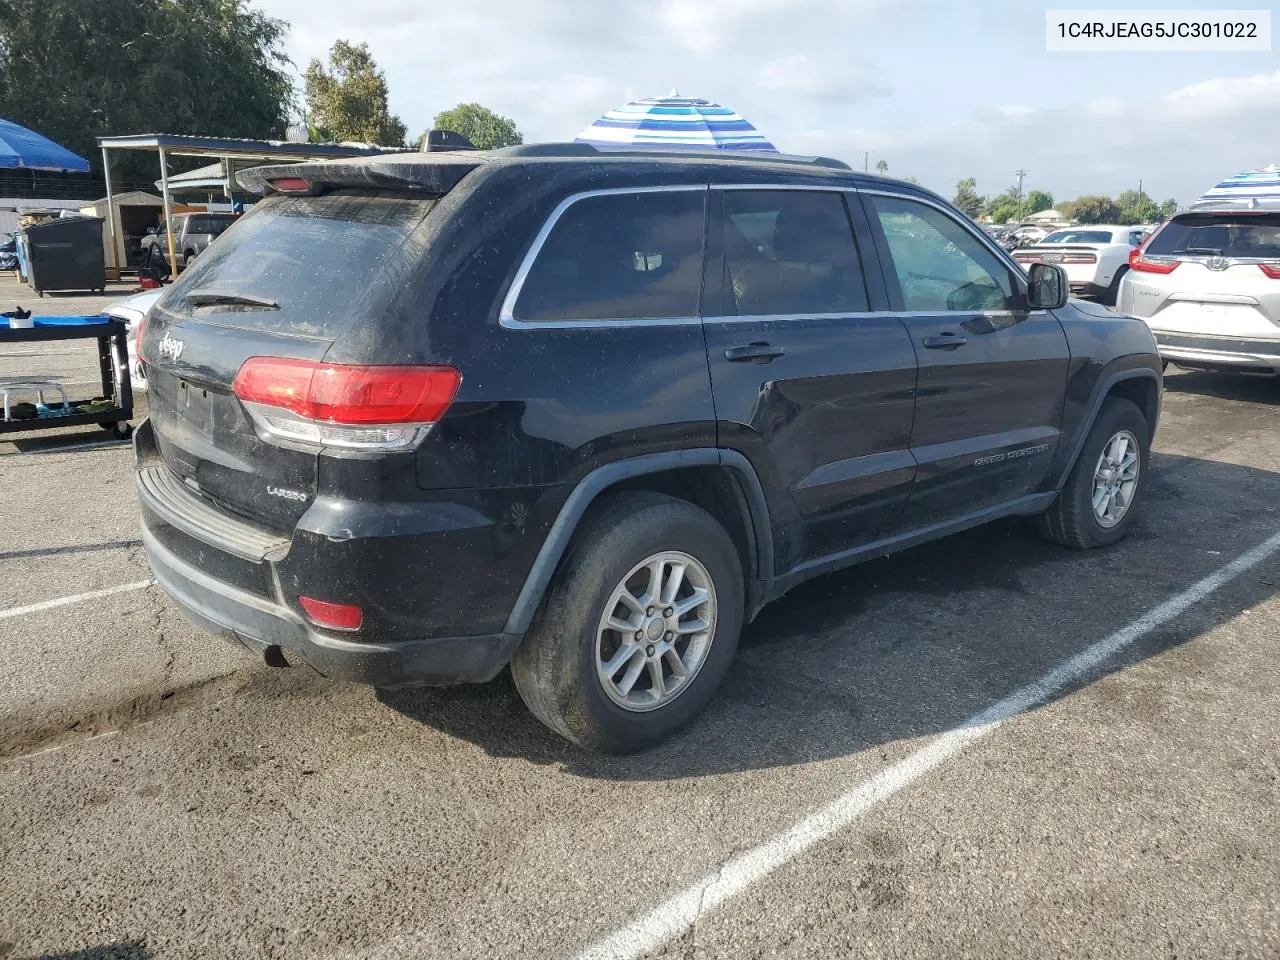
192	234
1095	257
585	413
132	311
1207	282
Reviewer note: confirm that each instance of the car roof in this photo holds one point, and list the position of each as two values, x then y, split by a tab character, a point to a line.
440	171
1113	227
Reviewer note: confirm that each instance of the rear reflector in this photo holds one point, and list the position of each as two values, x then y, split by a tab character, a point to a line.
1272	270
335	616
1144	264
344	405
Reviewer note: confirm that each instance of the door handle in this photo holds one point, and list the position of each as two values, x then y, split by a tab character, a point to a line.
945	341
755	352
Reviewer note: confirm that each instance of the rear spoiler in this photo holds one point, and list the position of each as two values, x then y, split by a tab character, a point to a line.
431	173
437	173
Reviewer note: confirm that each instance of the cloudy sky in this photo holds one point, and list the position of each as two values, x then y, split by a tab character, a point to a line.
939	89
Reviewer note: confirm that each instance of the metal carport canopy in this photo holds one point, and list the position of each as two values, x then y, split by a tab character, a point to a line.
224	148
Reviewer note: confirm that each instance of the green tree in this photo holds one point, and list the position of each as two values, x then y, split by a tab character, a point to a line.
882	166
1038	200
1136	207
348	101
1092	208
1168	208
76	70
1006	206
967	198
486	129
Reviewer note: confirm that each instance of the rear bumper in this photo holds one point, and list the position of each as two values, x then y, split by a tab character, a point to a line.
278	634
1232	353
1087	288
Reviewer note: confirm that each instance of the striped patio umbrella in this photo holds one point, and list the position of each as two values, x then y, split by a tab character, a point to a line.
1248	189
675	121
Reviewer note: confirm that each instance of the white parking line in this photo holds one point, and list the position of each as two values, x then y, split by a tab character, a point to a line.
678	913
44	605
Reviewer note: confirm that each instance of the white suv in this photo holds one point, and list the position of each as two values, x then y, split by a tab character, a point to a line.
1094	256
1208	285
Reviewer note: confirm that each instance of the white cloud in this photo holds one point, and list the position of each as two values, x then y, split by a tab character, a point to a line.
1178	144
800	75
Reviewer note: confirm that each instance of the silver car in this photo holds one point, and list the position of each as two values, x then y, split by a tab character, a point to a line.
133	311
1208	285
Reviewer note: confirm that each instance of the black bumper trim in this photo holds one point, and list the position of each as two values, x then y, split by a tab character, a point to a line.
268	627
1261	348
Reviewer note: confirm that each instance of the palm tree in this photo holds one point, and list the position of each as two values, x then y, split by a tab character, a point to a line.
882	166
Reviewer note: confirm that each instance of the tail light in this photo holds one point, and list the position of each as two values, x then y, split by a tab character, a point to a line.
1272	270
1143	264
137	335
1079	258
344	405
1026	257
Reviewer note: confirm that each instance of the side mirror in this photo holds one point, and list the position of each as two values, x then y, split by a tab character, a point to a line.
1047	287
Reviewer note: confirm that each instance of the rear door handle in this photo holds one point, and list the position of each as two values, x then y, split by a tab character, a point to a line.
755	352
946	341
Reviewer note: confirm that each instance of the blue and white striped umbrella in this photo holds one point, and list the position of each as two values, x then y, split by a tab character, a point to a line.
1247	189
675	121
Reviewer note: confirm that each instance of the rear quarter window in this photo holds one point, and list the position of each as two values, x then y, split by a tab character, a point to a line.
324	260
625	256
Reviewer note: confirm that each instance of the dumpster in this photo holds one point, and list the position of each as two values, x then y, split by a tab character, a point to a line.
65	254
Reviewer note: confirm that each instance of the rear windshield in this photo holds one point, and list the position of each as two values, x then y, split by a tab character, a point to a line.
213	225
323	260
1219	235
1079	236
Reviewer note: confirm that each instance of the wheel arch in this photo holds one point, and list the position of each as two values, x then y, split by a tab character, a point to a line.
722	482
1141	386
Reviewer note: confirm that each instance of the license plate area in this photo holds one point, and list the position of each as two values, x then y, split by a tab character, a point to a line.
194	404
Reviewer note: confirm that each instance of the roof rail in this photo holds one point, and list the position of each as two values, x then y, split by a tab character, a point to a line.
575	149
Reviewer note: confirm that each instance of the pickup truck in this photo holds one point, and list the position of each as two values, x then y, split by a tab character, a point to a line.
192	234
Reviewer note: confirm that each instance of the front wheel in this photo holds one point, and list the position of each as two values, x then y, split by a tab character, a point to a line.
1097	504
638	628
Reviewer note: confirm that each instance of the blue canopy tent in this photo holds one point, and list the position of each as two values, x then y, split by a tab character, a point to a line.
675	121
25	149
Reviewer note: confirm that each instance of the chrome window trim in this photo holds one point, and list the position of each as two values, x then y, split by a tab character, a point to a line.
506	314
1019	274
815	187
869	314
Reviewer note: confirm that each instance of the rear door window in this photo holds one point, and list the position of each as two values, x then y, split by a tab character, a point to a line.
1219	235
790	252
322	260
940	265
625	256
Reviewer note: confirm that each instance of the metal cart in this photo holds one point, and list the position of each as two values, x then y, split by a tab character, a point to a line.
113	363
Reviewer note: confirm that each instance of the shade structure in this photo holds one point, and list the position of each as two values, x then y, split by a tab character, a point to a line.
1253	188
675	121
28	150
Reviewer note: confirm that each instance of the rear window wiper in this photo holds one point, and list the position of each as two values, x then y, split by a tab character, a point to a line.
209	298
1201	252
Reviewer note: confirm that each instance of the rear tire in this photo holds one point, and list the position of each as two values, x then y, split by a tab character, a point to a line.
1112	295
562	669
1075	520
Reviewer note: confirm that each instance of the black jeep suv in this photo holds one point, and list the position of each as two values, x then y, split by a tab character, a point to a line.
419	417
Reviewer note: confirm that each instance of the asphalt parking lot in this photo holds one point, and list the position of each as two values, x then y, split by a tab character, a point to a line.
899	764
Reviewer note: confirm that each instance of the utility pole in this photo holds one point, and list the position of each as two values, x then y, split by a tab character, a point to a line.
866	161
1020	174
